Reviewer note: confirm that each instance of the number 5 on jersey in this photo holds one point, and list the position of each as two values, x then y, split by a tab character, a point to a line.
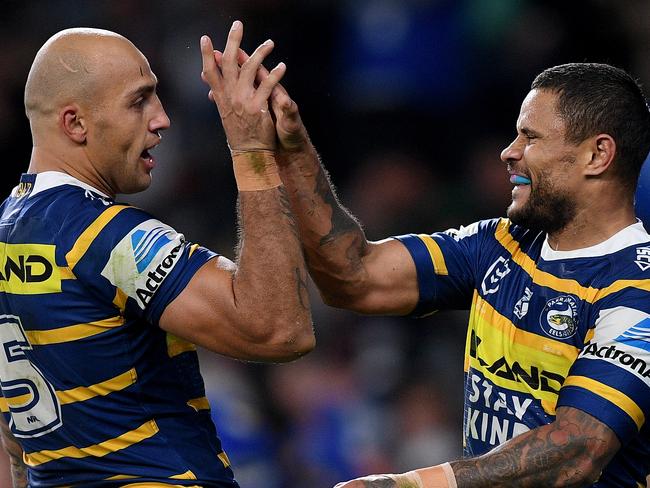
32	401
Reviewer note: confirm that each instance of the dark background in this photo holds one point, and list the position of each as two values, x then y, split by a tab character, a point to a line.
409	103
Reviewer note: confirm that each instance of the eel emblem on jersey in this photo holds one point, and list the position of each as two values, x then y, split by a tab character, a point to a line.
559	318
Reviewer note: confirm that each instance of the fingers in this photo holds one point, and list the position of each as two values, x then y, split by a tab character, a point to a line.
211	73
251	65
229	65
271	81
280	100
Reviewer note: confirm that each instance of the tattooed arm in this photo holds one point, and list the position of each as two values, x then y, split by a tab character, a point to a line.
350	272
258	308
11	446
570	452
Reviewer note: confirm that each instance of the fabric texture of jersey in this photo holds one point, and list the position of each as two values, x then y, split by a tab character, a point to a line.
547	329
96	393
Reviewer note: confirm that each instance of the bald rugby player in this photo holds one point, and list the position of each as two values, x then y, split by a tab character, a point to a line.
101	304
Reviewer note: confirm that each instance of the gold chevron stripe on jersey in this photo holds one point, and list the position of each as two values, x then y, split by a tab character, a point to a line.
83	393
437	258
149	484
71	333
90	233
542	278
176	345
508	356
120	299
80	393
187	475
145	431
620	399
223	457
200	403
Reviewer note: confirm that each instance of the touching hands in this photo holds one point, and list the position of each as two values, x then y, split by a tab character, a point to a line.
242	101
290	131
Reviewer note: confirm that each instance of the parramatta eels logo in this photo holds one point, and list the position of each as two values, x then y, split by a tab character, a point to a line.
559	318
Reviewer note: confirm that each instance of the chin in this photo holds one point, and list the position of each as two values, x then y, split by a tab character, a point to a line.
135	186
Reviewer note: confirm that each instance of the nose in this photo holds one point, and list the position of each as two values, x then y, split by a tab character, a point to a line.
513	152
160	119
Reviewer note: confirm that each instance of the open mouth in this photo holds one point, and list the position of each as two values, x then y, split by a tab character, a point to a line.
146	154
519	180
148	159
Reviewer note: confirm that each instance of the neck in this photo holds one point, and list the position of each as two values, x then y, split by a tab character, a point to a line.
592	226
50	160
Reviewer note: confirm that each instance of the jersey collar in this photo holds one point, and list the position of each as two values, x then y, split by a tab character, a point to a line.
51	179
629	236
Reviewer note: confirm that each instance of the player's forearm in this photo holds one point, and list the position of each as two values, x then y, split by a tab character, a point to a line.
333	240
11	446
271	280
570	452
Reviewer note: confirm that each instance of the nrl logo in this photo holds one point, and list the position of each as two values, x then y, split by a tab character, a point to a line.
499	269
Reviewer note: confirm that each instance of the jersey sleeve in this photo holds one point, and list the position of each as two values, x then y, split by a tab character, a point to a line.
446	264
610	380
127	257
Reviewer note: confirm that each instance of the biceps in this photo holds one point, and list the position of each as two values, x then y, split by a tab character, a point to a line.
203	313
391	284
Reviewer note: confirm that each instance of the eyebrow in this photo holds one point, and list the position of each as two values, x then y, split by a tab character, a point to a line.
142	90
528	132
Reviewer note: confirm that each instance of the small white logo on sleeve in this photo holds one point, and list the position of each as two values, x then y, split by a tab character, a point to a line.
521	307
494	275
643	258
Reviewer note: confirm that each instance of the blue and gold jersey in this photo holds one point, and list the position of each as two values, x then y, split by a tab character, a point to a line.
547	329
96	393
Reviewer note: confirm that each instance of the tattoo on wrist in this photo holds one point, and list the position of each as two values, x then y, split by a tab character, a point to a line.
285	204
342	222
301	283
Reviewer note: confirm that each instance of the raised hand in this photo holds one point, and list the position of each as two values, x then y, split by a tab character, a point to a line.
291	132
242	102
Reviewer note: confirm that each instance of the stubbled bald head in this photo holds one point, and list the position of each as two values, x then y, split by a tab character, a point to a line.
72	67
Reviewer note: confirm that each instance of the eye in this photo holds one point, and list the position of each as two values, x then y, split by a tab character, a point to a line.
138	103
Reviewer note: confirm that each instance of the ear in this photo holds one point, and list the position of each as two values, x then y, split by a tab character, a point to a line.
73	123
603	149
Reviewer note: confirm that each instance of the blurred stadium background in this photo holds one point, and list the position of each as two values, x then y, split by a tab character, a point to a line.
409	103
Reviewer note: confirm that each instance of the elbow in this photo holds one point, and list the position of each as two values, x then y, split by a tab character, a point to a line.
590	471
286	340
580	473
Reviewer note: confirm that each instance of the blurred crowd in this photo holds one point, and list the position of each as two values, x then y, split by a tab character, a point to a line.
409	103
